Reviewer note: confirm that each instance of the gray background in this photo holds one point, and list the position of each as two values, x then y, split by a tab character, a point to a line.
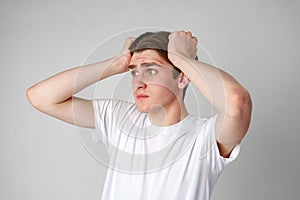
256	41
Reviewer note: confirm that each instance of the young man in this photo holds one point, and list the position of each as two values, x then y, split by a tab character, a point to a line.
157	150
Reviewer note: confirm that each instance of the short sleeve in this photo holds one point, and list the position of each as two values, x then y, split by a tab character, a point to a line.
100	107
104	117
108	115
210	148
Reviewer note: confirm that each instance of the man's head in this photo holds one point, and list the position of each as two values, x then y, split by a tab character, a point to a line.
157	41
153	73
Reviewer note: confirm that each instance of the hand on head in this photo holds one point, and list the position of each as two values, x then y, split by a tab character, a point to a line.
121	62
182	45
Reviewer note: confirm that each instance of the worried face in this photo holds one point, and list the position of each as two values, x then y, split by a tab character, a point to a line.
153	82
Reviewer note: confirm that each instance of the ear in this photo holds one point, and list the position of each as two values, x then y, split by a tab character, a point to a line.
183	81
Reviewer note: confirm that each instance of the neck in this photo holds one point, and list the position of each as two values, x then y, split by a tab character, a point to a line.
160	116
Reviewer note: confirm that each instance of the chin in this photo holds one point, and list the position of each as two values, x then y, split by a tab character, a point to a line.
143	108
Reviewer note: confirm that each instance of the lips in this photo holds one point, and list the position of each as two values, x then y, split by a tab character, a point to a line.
141	96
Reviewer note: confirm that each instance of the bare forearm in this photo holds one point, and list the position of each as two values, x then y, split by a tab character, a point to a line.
216	86
55	95
64	85
230	98
221	89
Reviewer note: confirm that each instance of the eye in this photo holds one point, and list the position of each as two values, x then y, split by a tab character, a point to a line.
134	73
151	72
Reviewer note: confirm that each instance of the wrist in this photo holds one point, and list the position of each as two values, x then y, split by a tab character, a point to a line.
117	66
180	61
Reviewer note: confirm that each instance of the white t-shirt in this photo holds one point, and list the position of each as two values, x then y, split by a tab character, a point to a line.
147	162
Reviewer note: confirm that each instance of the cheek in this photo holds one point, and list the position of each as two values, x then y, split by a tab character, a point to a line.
164	88
169	84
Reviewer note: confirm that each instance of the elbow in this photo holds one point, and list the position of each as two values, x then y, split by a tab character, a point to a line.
33	97
30	96
239	103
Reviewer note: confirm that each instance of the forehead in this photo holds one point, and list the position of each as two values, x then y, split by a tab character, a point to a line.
147	56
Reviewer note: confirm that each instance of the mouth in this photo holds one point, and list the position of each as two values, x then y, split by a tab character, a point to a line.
141	96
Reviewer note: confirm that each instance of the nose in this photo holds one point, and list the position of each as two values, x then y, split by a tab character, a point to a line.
139	83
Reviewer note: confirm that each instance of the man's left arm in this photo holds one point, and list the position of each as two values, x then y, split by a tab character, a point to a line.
231	99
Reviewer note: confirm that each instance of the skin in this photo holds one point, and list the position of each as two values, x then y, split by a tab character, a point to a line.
231	99
221	89
152	79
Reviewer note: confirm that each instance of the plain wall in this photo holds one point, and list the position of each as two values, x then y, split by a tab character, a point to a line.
255	41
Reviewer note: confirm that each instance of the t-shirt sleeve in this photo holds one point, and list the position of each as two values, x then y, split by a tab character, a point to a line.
101	109
211	149
105	117
108	114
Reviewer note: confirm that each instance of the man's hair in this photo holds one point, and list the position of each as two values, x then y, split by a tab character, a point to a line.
157	41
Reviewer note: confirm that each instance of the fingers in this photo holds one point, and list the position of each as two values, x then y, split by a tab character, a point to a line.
129	41
194	38
188	34
127	44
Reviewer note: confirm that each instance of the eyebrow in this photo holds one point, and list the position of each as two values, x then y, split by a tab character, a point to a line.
147	64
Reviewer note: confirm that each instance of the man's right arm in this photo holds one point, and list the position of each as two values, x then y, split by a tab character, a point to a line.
54	96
